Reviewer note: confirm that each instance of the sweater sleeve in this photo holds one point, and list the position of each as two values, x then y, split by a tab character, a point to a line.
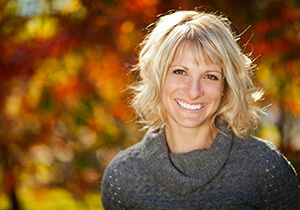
278	183
112	192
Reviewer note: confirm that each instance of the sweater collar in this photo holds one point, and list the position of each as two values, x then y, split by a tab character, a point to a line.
184	173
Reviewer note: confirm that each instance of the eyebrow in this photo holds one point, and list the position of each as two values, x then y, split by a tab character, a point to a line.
207	70
216	71
174	66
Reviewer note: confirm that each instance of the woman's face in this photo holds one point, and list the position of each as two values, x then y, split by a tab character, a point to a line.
192	91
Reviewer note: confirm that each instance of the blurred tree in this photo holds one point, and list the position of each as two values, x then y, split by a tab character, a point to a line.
64	114
278	41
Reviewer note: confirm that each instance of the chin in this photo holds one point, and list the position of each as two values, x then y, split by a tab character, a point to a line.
192	124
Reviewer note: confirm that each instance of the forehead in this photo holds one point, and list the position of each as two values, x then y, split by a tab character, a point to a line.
195	51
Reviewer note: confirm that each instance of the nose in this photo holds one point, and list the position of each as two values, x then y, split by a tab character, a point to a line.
194	89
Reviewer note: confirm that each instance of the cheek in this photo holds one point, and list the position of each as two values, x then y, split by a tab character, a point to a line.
214	92
164	93
170	86
169	90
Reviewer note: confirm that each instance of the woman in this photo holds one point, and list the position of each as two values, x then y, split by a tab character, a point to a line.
196	97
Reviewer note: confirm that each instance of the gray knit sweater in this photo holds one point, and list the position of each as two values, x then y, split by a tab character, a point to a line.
233	173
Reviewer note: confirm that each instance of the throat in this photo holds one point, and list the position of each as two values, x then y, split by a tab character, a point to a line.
186	140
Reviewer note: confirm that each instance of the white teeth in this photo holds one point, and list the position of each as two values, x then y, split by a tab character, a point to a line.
189	106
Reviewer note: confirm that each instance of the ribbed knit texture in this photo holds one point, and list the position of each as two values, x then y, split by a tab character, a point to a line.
232	174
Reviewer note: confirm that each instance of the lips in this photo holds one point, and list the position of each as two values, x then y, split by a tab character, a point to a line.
189	106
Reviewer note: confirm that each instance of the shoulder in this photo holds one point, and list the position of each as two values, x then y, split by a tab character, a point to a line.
259	149
268	154
275	175
264	153
125	158
124	161
117	175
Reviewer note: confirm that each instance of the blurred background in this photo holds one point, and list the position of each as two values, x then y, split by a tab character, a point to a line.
63	69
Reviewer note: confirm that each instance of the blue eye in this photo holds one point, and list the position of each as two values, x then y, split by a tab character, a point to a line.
180	72
212	77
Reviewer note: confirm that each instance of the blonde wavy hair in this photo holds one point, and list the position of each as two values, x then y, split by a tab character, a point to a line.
210	36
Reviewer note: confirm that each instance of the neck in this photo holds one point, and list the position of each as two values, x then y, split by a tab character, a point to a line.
182	140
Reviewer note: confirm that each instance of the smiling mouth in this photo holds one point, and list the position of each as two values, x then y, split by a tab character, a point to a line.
189	106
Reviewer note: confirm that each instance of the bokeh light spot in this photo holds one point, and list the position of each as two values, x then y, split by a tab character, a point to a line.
127	27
